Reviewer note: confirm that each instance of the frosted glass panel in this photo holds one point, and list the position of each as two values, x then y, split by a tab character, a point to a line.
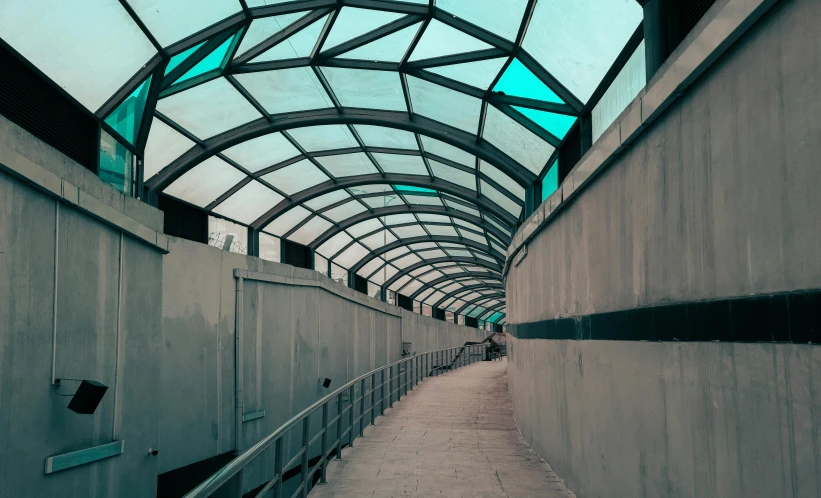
409	231
208	109
299	44
327	199
398	219
501	18
443	104
424	200
334	244
310	231
441	230
402	164
286	90
366	89
479	74
439	39
263	28
629	82
352	22
382	136
583	39
285	222
296	177
499	198
262	152
367	226
88	47
219	230
164	145
248	203
405	261
448	151
348	164
400	282
172	20
393	253
345	211
390	48
352	255
379	239
473	236
516	141
462	207
324	137
269	247
502	179
205	182
453	175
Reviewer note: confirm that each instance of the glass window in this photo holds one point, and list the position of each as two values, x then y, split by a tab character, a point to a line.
326	200
296	177
352	22
439	40
116	164
445	105
449	316
299	44
557	124
390	48
374	290
250	202
325	137
206	181
335	244
164	145
501	19
382	136
378	239
516	141
227	236
269	247
213	61
321	264
345	211
339	274
447	151
262	152
181	57
519	81
478	73
286	90
453	175
401	164
352	255
125	119
629	82
310	231
264	27
348	164
171	21
366	89
364	227
283	223
550	182
425	200
502	179
427	310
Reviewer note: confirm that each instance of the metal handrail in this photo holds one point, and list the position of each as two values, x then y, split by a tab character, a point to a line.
419	366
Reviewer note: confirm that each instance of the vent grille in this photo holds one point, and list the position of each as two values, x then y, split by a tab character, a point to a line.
29	99
183	221
295	254
570	152
691	12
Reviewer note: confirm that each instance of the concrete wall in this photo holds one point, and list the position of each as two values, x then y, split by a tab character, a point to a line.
106	292
719	198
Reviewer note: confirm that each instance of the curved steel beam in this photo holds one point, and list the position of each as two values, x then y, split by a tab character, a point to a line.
455	259
480	300
465	288
414	240
387	211
450	278
391	119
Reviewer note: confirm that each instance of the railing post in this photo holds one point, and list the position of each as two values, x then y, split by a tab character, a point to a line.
324	443
373	398
278	467
382	394
361	413
339	425
305	440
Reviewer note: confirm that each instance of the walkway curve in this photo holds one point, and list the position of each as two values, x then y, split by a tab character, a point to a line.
452	436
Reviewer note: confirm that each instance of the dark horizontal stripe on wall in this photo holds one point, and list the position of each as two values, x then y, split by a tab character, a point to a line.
788	317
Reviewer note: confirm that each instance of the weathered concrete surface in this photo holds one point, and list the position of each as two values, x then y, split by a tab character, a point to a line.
453	436
696	420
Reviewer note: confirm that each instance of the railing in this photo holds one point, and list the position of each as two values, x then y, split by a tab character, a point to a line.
410	371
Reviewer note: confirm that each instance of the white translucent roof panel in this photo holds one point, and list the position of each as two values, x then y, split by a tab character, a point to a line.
390	48
405	261
502	19
516	141
439	39
310	231
300	44
460	253
382	136
497	225
348	164
352	22
583	39
402	164
502	179
448	151
326	200
364	227
265	27
164	145
352	255
325	137
286	90
296	177
334	244
208	109
445	105
436	218
441	230
88	47
345	211
434	297
366	89
499	198
400	282
410	287
423	200
478	73
248	203
285	222
398	219
170	21
262	152
461	207
379	239
393	253
206	181
423	245
384	274
450	287
371	267
473	236
432	253
370	189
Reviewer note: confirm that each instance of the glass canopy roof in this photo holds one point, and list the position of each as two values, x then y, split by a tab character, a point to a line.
395	138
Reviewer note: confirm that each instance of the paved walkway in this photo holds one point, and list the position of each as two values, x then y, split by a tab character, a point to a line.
452	436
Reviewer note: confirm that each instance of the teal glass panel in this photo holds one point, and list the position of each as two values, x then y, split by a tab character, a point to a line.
214	60
126	117
557	124
550	182
177	59
519	81
479	73
408	188
116	164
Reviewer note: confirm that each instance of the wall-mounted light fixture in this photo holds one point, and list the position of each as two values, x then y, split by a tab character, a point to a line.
326	382
87	397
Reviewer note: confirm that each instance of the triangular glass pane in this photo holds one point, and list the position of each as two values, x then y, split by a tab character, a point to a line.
479	73
390	48
352	22
212	61
126	118
264	27
557	124
439	40
180	57
519	81
300	44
